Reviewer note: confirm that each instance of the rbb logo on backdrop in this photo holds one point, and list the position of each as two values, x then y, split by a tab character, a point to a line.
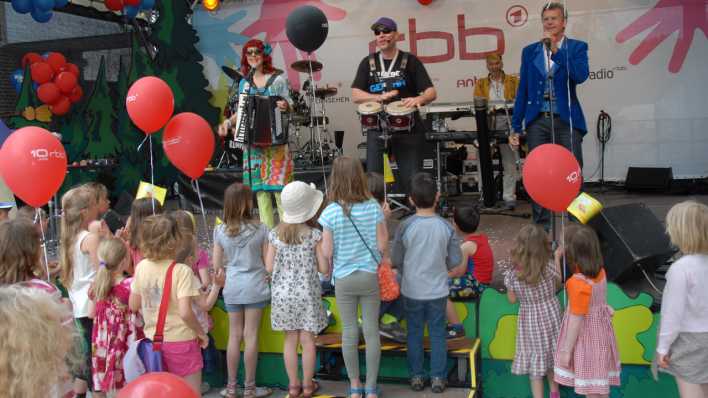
449	38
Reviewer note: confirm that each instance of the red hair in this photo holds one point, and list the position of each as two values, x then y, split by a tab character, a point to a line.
267	59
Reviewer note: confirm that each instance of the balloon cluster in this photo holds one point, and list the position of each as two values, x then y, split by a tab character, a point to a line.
130	8
57	80
188	140
41	10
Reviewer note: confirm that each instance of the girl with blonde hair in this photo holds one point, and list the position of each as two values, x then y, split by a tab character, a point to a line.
354	230
533	282
160	239
139	211
682	349
112	325
78	259
239	246
35	352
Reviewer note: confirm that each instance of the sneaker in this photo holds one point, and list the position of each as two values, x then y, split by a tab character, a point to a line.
417	383
438	384
455	332
393	331
508	205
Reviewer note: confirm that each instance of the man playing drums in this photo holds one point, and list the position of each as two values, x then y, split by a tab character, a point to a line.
500	90
389	75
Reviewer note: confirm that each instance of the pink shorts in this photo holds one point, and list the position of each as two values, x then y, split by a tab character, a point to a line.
182	358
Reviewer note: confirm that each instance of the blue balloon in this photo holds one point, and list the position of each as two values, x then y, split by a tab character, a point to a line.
22	6
60	3
43	5
147	4
17	77
131	11
41	16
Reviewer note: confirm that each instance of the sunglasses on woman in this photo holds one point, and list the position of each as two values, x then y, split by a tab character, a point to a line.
254	52
382	30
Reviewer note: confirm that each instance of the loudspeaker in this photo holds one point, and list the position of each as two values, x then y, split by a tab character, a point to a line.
632	239
656	179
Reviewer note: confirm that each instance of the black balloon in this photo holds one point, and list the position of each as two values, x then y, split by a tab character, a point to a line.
307	28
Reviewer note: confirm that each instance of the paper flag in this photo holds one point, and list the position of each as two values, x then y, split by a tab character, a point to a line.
388	173
147	190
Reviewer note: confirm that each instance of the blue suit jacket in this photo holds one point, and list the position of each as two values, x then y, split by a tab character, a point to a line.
571	60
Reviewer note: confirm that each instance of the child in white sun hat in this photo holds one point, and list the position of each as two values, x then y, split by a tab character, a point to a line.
293	259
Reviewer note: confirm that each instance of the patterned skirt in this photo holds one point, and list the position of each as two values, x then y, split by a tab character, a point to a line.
271	168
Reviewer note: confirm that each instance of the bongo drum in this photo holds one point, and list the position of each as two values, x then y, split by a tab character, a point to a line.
369	116
399	117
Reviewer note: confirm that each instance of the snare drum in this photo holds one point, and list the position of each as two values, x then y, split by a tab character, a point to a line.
399	117
369	116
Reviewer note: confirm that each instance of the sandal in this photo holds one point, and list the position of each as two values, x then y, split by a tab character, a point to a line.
294	391
309	389
251	391
372	391
355	391
231	390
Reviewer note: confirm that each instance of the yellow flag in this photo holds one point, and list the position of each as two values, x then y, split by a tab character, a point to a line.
218	221
584	207
147	190
388	173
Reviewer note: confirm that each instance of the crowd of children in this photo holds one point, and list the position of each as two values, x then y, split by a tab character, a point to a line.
115	283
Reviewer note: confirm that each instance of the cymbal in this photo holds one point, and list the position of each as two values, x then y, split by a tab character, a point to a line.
304	66
232	73
324	92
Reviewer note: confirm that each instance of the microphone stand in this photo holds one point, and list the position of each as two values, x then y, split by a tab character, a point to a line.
551	104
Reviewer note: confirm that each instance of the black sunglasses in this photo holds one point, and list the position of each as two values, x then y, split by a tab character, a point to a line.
382	30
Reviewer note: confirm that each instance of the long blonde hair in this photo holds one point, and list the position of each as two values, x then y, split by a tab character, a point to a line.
74	204
111	254
348	184
238	207
19	251
160	238
291	234
531	252
34	344
687	226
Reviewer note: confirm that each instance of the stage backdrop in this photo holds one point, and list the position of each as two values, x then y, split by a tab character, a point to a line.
647	63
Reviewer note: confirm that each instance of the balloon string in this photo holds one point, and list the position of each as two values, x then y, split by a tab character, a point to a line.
142	142
152	175
201	207
564	266
38	215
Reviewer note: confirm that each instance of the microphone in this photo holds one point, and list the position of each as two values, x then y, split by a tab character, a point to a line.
546	43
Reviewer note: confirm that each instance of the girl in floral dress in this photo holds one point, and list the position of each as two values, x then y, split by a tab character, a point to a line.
587	356
534	282
113	328
294	257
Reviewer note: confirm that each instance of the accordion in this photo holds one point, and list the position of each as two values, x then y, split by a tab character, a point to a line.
259	121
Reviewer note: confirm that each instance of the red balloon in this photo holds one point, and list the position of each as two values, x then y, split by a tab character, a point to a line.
133	3
150	103
56	61
66	81
552	176
158	385
31	58
189	143
69	67
48	93
76	94
33	164
114	5
41	72
425	2
61	107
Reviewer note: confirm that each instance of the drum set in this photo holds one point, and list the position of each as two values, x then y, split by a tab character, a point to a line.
310	139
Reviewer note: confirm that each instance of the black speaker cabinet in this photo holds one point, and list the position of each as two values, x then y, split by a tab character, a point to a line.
654	179
632	239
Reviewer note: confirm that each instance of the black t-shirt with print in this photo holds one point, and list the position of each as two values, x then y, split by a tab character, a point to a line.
409	82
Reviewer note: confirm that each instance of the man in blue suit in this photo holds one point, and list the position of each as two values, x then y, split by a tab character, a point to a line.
543	99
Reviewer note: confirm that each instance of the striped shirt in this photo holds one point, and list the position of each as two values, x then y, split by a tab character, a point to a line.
350	253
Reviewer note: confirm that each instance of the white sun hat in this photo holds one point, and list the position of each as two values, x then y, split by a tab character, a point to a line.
300	202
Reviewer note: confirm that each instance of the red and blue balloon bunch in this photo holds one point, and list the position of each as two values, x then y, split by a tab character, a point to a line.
57	80
130	8
41	10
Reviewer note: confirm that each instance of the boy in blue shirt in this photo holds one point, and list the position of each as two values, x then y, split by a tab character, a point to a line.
425	248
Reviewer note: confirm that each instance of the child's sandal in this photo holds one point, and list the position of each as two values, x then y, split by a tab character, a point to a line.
231	390
355	391
309	389
294	391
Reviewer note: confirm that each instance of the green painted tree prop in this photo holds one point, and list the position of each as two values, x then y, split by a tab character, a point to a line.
27	98
133	163
100	118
